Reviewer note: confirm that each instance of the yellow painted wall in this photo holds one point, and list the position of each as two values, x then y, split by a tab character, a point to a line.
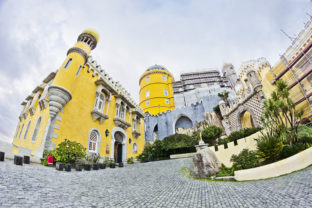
156	86
77	121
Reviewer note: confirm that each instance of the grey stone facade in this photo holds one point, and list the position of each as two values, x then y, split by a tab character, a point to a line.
165	124
252	102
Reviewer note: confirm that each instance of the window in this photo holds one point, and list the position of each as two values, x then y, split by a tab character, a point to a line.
26	132
147	79
122	111
99	102
147	102
147	93
134	148
164	77
166	92
93	140
166	101
33	139
78	71
68	63
16	133
21	132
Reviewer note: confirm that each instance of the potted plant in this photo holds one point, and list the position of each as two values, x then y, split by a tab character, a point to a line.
87	166
78	167
59	166
102	165
120	164
112	164
68	167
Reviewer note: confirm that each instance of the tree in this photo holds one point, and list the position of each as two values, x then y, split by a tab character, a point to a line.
224	96
210	134
280	114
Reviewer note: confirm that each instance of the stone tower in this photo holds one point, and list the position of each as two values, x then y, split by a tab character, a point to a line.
228	71
77	56
156	91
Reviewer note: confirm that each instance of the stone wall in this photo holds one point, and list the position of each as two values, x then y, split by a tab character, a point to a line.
163	125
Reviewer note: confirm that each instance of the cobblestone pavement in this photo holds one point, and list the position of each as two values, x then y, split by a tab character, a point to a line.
154	184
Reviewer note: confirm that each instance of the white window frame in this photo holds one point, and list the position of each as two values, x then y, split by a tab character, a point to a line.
17	130
164	77
26	132
99	102
134	148
147	93
166	101
96	143
147	102
148	79
33	139
20	133
166	92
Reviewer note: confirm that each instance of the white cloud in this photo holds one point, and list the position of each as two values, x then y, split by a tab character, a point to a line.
181	35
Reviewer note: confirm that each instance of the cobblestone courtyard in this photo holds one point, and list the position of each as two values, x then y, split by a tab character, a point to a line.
154	184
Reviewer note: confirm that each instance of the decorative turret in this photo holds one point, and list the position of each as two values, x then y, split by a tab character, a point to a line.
77	56
228	71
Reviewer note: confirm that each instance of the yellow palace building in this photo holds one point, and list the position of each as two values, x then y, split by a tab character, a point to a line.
80	102
156	92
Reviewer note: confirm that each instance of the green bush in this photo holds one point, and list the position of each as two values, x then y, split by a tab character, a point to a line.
245	159
242	133
210	134
225	171
179	141
304	131
269	146
161	149
130	160
47	153
69	152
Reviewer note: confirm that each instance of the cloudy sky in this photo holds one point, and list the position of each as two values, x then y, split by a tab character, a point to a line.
183	35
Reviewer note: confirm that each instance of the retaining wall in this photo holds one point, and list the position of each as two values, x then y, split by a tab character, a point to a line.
296	162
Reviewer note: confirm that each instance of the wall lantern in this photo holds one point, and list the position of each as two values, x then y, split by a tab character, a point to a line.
106	132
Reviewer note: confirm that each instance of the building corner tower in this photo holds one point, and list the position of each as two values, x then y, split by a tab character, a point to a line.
156	91
60	90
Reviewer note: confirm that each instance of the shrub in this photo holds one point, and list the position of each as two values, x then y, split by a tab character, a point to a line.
210	134
130	160
245	159
304	131
225	171
242	133
69	152
269	146
179	141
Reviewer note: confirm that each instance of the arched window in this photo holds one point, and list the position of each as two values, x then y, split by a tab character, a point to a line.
134	148
16	133
93	141
26	132
79	69
33	139
99	102
122	111
21	132
68	63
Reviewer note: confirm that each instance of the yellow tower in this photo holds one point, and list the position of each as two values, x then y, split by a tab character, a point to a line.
156	92
77	56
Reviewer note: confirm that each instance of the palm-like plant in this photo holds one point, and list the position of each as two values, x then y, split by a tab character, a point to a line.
224	96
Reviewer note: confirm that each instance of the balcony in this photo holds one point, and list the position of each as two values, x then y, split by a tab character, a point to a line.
96	115
121	123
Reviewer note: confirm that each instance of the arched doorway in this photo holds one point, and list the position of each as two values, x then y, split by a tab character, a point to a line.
246	120
183	122
119	137
155	133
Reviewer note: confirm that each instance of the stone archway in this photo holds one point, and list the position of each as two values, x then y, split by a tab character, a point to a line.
118	145
246	120
182	121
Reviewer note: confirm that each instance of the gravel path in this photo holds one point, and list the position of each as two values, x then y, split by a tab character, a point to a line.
154	184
